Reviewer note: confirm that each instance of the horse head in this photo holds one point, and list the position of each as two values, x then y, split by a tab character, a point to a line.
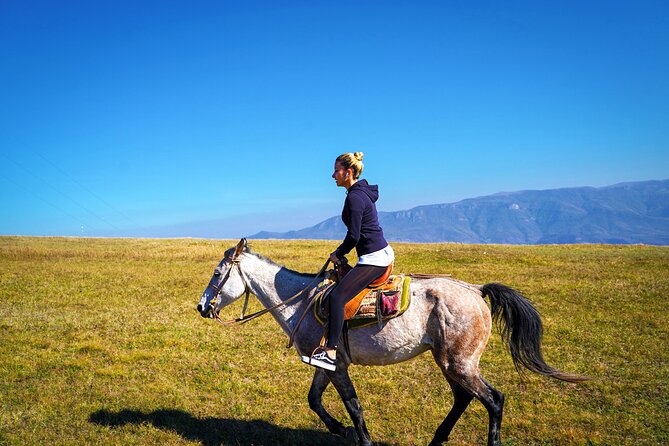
226	285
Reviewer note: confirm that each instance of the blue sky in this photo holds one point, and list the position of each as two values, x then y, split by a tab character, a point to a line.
178	118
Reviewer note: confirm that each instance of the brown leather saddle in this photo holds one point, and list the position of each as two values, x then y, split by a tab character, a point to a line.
353	305
386	297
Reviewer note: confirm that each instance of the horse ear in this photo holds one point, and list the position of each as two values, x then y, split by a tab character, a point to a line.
240	247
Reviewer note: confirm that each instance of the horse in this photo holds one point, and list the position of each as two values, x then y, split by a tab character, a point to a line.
447	317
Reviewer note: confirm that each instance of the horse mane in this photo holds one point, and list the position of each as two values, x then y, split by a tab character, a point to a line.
248	250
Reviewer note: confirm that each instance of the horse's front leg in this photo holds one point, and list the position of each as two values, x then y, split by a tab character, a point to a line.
318	386
344	386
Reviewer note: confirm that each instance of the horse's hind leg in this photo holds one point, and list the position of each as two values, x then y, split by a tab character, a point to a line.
318	386
492	399
461	398
467	383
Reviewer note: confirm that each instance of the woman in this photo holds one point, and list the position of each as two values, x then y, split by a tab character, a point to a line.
365	234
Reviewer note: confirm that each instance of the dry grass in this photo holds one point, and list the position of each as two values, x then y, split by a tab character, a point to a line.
100	344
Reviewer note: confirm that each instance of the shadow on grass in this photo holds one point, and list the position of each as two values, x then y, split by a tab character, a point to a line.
219	431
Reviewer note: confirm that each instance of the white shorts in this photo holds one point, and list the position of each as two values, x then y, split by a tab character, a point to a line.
382	257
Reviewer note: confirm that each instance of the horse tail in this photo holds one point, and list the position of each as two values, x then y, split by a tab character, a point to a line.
521	328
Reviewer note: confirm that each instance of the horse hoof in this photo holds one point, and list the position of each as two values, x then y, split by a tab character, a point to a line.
351	435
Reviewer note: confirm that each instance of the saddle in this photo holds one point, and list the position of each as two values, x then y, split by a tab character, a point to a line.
385	298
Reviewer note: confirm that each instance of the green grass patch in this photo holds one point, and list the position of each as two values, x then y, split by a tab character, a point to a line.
100	344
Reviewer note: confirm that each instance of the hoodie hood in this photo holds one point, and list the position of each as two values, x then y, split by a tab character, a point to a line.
372	190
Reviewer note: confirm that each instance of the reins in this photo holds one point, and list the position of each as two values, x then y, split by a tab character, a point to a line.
245	318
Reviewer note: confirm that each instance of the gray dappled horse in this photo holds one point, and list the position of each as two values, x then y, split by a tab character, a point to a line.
446	316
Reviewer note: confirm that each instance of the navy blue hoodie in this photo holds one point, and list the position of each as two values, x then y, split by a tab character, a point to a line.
361	220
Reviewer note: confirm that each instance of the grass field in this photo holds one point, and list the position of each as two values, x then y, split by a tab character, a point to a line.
100	344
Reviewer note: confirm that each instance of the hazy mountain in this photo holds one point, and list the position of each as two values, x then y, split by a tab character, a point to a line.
623	213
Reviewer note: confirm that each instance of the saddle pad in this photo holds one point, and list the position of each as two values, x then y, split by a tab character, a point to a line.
352	306
390	301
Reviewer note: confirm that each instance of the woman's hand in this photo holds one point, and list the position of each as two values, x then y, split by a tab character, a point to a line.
333	258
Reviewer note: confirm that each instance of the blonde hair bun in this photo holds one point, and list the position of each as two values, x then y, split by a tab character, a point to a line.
352	161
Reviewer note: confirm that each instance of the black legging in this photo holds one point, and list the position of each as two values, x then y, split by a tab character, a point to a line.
355	281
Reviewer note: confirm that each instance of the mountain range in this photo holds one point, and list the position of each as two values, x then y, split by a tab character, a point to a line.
624	213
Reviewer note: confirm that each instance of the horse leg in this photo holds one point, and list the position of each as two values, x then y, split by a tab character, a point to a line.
342	382
467	383
318	386
461	398
491	398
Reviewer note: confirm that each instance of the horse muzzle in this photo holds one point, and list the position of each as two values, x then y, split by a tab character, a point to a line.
205	312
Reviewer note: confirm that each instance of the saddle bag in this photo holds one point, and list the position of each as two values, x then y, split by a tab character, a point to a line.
383	302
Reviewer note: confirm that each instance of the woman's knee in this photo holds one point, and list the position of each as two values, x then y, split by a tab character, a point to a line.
337	298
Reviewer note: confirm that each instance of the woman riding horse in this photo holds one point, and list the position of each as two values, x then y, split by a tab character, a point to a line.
363	233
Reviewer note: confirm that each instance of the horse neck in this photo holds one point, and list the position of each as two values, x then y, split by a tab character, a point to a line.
273	284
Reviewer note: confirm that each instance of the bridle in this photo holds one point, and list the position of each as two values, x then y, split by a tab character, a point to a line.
235	263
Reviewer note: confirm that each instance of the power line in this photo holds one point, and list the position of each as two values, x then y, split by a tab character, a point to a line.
86	189
63	194
39	197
